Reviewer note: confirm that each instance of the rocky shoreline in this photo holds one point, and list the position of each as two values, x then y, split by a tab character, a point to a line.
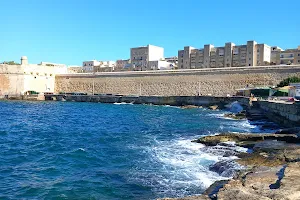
271	168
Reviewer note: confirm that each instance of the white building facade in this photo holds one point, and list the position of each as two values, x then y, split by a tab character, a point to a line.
140	56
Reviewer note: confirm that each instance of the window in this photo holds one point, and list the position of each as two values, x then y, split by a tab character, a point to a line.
249	64
298	61
249	58
298	54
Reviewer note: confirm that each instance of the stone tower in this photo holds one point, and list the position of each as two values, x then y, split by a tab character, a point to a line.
24	60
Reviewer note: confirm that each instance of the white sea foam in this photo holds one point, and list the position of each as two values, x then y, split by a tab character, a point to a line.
246	124
183	167
81	149
217	115
168	106
123	103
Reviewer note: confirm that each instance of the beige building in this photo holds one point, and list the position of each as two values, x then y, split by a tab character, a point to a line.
98	66
288	57
274	52
263	55
239	56
184	57
231	55
105	66
75	69
122	65
89	66
140	56
19	79
228	54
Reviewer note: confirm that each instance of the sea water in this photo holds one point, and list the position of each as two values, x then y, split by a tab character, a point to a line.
69	150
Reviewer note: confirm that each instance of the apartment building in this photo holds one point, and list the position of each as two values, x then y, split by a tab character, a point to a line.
160	65
193	56
263	54
231	55
228	54
73	69
184	57
251	58
288	57
200	58
208	48
239	56
274	52
122	64
88	66
213	55
220	57
140	56
173	60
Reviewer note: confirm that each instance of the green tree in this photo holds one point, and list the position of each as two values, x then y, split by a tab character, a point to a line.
287	81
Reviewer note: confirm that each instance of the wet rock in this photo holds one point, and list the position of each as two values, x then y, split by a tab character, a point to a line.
212	190
200	197
189	107
243	139
224	168
237	116
214	107
221	150
294	130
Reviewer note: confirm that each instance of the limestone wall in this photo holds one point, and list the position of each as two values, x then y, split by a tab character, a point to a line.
282	113
175	83
17	79
11	80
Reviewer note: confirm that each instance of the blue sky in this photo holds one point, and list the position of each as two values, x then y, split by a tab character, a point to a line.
71	31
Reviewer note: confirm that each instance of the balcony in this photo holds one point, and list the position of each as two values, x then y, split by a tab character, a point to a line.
290	56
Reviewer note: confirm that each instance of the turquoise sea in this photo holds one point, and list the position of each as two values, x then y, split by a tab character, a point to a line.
68	150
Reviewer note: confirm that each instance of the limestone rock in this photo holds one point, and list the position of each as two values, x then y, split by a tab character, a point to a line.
246	140
237	116
214	107
201	197
189	107
280	183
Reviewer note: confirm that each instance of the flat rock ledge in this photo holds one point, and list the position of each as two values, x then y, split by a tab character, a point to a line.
245	139
237	116
272	170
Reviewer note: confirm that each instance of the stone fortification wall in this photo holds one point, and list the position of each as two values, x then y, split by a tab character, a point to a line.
218	82
283	113
11	79
17	79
